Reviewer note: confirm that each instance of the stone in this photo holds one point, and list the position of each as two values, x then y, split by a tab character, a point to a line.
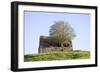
46	45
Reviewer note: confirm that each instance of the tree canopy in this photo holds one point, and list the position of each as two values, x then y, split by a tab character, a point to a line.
62	28
61	31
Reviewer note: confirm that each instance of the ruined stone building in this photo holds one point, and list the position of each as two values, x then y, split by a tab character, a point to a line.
45	45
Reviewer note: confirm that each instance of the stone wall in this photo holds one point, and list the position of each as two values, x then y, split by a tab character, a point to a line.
46	46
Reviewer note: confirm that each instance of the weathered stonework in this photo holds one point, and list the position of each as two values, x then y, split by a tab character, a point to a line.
46	46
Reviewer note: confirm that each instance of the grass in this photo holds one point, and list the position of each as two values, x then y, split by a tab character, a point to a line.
70	55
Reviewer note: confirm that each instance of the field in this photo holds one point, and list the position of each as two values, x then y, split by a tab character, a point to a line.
70	55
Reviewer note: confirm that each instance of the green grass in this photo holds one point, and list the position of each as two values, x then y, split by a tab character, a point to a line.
70	55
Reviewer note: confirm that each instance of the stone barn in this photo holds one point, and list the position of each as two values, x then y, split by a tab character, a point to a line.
46	45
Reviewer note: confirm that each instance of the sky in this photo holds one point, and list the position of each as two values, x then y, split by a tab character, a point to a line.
39	23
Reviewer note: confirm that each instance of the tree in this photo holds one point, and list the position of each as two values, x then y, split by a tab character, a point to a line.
61	31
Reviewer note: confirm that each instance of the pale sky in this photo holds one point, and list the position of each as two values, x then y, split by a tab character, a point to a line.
38	23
